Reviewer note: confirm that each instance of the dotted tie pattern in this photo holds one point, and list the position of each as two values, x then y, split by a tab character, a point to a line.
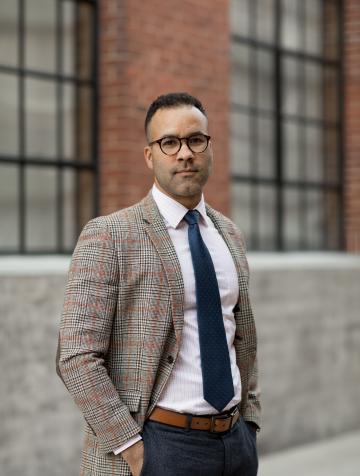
215	361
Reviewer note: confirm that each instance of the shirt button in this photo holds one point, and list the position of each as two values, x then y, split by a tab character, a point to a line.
170	359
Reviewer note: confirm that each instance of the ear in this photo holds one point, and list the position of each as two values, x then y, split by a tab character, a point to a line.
148	157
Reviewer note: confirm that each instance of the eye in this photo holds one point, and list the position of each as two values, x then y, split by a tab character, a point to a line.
198	139
169	142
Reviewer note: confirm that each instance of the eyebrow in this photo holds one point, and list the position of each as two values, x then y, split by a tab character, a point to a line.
189	135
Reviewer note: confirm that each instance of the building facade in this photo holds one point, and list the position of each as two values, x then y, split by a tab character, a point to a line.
280	80
278	77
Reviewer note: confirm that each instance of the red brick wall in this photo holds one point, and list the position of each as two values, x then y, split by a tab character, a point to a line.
352	125
148	48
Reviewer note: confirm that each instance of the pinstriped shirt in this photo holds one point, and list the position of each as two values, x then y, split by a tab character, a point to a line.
184	392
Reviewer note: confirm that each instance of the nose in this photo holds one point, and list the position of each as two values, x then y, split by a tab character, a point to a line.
185	153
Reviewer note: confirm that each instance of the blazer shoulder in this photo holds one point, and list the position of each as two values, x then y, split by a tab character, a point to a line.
123	220
224	221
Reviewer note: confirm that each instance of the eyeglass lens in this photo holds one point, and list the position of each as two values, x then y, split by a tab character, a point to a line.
196	143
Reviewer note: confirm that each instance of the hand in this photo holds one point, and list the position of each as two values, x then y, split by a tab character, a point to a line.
252	426
134	456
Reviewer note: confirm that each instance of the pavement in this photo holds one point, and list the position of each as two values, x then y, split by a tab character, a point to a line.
338	456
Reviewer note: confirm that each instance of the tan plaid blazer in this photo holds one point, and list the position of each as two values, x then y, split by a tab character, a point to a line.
121	327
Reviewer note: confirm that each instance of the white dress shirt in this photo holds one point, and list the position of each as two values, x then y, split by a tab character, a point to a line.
184	391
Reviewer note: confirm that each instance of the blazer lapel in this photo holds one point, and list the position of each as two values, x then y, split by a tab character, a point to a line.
158	234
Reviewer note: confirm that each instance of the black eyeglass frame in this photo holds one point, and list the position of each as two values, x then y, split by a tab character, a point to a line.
180	139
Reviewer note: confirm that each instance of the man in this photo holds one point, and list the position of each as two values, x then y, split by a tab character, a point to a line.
157	338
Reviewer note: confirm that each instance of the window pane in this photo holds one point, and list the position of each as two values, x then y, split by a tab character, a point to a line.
292	229
332	214
265	80
331	33
84	40
330	95
292	90
8	32
241	207
265	20
291	152
40	118
314	23
314	219
239	17
40	208
240	143
84	132
314	91
331	155
68	117
68	38
40	34
9	125
69	201
265	147
240	90
314	154
9	207
266	217
291	26
85	194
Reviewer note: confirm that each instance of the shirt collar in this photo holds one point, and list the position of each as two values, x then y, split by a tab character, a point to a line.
172	211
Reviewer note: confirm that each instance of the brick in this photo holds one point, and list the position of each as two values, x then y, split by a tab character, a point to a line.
143	55
352	125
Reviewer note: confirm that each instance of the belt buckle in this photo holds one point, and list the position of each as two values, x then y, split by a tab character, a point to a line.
218	417
232	415
188	421
212	423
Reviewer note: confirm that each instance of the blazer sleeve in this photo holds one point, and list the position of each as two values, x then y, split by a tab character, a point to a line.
252	410
90	304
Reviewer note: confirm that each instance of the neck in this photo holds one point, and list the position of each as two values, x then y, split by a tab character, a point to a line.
188	202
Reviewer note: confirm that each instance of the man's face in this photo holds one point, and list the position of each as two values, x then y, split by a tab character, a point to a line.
183	175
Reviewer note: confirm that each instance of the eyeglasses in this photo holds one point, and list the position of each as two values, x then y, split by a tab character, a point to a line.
171	145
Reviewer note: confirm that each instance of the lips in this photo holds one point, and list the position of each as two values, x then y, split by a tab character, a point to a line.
185	171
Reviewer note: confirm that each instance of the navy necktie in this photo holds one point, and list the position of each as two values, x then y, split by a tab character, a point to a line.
215	361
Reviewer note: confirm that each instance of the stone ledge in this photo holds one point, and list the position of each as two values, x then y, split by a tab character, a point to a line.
34	265
303	260
58	265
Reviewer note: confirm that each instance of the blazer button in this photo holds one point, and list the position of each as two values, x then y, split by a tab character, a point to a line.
170	359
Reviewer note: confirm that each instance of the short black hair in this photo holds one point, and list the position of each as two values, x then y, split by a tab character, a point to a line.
172	100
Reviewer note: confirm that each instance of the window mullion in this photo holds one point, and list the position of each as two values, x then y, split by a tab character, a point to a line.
278	142
59	128
21	122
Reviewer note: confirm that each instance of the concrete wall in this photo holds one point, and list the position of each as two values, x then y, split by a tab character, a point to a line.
41	429
307	308
307	312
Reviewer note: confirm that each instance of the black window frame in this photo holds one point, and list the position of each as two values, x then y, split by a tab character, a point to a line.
21	73
279	181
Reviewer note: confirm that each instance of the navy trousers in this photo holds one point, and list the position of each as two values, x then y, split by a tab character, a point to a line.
170	451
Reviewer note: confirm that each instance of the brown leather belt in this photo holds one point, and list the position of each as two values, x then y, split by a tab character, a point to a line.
215	423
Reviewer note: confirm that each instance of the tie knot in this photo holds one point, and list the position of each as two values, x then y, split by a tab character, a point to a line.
192	217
